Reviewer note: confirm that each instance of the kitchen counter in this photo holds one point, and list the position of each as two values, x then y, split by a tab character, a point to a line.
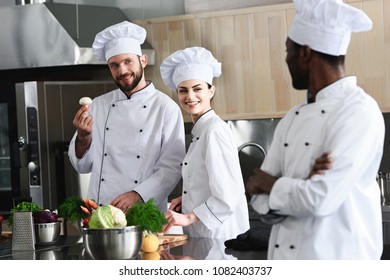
72	248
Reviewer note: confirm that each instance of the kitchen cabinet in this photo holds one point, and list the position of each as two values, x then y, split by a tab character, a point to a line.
250	43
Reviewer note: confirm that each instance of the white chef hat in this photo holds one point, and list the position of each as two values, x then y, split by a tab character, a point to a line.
194	63
326	25
124	37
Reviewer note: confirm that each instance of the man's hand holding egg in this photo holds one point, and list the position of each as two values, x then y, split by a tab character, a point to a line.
83	122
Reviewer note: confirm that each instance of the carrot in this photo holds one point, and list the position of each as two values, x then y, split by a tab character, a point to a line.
92	204
87	204
85	209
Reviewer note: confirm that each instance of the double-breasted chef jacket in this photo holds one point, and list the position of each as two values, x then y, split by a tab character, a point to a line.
213	186
137	144
336	215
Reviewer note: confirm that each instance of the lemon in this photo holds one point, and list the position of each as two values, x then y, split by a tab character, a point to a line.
150	243
150	256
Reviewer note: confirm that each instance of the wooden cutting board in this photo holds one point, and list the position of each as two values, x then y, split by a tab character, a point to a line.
169	238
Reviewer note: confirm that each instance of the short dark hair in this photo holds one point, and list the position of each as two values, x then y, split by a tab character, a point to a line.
330	59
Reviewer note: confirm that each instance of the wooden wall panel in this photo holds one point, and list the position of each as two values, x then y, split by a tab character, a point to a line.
224	53
241	54
374	46
262	92
250	43
158	34
192	33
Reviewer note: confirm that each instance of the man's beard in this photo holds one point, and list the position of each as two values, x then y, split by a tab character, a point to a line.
137	76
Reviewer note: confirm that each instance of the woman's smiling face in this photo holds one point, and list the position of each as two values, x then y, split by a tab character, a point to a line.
195	97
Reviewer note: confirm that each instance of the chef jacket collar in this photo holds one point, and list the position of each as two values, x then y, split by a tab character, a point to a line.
142	93
333	90
199	124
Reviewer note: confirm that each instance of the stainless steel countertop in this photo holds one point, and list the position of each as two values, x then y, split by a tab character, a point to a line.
72	248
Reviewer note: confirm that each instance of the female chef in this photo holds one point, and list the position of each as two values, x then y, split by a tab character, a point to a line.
213	202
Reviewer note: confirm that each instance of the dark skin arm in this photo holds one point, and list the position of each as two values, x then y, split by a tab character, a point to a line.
321	164
262	183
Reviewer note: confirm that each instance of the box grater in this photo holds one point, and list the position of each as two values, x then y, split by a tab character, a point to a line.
23	236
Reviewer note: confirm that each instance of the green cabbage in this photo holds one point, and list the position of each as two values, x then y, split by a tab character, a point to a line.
107	216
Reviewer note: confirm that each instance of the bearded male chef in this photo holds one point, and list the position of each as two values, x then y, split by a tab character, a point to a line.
131	139
336	215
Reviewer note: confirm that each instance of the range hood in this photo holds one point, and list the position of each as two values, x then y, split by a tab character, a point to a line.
54	34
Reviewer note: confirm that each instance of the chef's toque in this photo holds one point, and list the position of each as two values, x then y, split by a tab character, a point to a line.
326	25
194	63
124	37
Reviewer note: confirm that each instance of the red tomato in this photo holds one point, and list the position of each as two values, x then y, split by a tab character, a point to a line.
85	222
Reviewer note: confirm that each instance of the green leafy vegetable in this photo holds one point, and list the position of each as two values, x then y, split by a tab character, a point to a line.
147	215
24	206
107	216
71	210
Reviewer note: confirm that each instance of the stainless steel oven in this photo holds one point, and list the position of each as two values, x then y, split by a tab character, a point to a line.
19	144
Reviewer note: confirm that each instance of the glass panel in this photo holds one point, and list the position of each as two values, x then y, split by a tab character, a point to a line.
5	157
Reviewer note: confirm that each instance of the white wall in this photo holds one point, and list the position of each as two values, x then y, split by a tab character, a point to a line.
134	9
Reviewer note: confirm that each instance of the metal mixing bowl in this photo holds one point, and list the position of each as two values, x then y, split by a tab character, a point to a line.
113	243
47	233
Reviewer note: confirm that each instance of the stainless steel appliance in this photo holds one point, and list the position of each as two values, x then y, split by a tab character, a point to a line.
20	150
35	128
383	179
253	138
386	224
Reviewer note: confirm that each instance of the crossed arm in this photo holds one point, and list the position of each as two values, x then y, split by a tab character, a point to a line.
262	182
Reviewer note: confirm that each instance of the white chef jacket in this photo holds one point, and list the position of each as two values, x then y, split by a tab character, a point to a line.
137	144
213	186
336	215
